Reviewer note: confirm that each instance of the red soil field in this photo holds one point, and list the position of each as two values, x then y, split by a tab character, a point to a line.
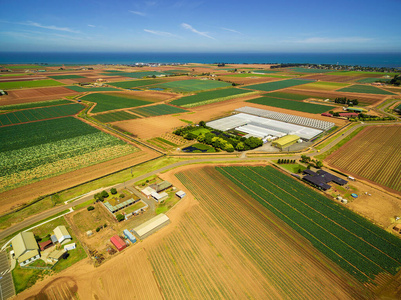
334	78
35	95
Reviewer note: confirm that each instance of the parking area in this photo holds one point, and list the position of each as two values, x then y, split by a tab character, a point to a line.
6	281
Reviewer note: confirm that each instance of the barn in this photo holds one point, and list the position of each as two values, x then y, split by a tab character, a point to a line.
285	141
146	229
129	236
118	242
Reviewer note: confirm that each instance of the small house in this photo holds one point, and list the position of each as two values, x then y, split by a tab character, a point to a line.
69	247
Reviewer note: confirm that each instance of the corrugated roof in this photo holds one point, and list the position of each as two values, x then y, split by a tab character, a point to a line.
22	242
28	255
118	242
286	139
56	254
146	227
60	232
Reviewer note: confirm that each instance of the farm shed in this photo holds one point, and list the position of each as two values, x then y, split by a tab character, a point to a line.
45	245
116	204
70	246
180	194
316	181
285	141
327	114
26	250
159	187
356	109
159	196
146	229
148	191
61	234
129	235
118	242
56	255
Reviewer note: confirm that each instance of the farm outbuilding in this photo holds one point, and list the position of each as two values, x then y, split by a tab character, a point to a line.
116	204
146	229
148	191
61	234
118	242
356	109
26	250
129	236
159	196
159	187
180	194
285	141
45	245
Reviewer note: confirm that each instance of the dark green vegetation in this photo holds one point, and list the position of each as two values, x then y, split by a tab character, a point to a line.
364	89
277	85
305	70
35	114
157	110
28	84
105	102
371	80
134	74
66	76
115	116
288	96
193	85
355	244
34	104
396	80
264	71
291	104
81	89
135	83
208	97
199	148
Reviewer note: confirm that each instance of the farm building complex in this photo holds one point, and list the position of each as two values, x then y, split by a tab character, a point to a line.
322	178
116	204
286	141
26	250
146	229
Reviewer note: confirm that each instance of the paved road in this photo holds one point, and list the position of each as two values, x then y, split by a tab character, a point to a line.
48	213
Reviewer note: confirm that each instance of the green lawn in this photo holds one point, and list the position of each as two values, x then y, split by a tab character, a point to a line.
362	73
115	116
28	84
364	89
200	130
81	89
66	76
106	102
135	83
293	168
25	278
34	104
277	85
193	85
291	104
134	207
157	110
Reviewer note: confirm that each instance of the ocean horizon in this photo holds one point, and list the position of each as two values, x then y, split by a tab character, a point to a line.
389	60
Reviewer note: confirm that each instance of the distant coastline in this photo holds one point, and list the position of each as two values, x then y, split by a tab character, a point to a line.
361	59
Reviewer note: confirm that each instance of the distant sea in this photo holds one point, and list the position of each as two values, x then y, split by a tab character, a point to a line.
360	59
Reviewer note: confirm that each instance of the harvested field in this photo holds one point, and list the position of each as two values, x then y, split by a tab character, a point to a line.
362	98
115	116
364	89
248	80
333	78
28	84
19	78
35	95
106	102
80	89
277	85
374	154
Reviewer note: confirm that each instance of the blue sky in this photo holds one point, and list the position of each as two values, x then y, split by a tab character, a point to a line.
200	26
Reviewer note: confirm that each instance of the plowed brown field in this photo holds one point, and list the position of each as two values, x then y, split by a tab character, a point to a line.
34	95
248	80
334	78
374	154
223	245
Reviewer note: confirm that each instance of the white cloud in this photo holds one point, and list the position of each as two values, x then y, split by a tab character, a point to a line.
189	27
161	33
139	13
51	27
231	30
90	25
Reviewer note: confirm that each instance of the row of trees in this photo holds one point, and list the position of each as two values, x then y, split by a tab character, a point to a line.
286	161
364	118
345	100
396	80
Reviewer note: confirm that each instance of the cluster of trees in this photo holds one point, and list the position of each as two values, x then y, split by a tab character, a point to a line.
101	196
364	117
101	227
311	162
286	161
396	80
336	67
90	208
120	217
219	140
345	100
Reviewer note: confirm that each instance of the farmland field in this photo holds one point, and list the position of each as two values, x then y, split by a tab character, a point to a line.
362	73
364	250
35	104
115	116
28	84
258	75
193	85
157	110
372	79
135	83
322	85
80	89
38	150
292	104
105	102
66	76
364	89
374	154
35	114
265	71
288	96
277	85
203	98
133	74
305	70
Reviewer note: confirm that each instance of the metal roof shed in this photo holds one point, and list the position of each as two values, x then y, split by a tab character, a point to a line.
151	226
129	236
118	242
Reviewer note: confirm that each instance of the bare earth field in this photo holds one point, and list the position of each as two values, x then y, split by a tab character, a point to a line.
11	199
20	78
35	95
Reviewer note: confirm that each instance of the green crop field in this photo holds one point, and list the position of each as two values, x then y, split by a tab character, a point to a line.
277	85
362	73
288	96
34	151
28	84
115	116
157	110
241	75
34	104
291	104
264	71
105	102
135	83
66	76
81	89
373	79
193	85
133	74
35	114
364	89
16	67
305	70
323	85
209	97
355	244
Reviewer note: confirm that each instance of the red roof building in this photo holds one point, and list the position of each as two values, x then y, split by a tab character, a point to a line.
118	242
45	245
327	114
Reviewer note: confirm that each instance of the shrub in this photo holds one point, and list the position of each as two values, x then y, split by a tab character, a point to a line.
123	196
113	191
120	217
90	208
104	194
98	229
